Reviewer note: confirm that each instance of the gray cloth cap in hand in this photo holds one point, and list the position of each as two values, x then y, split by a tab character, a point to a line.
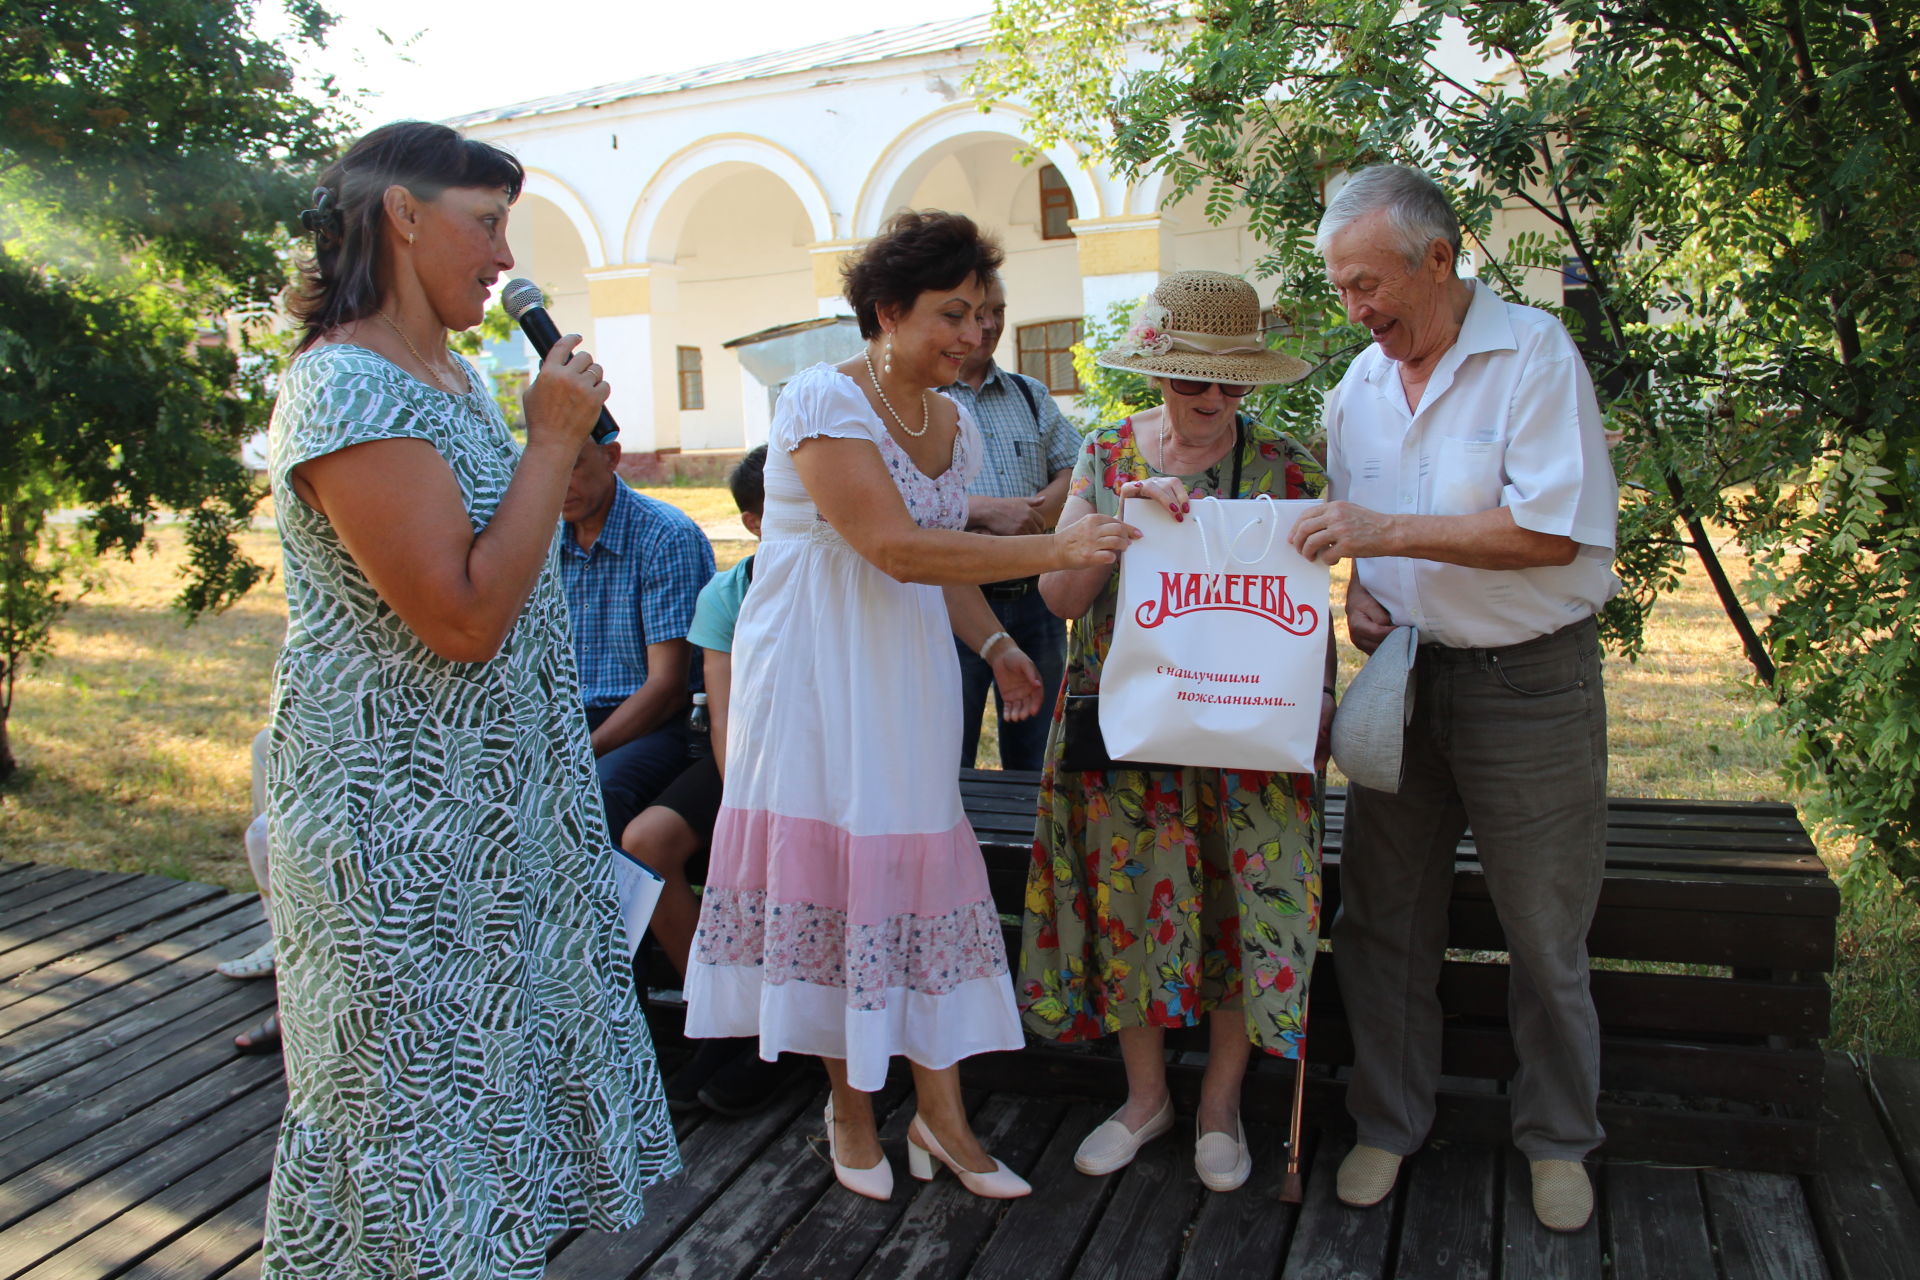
1370	726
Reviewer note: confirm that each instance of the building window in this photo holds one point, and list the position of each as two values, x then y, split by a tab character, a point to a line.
693	393
1056	205
1046	352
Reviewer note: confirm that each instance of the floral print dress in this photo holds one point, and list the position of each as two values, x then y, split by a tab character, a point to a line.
1156	895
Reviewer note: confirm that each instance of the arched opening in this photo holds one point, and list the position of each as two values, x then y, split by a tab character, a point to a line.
740	264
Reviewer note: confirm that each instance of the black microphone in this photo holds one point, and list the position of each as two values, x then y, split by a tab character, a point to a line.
522	299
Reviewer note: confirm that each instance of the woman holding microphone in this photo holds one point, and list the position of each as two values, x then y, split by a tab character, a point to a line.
468	1070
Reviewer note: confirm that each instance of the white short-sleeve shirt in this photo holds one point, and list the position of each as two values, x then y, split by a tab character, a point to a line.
1508	419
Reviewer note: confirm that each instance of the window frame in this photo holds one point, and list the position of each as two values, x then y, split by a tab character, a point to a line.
1046	351
696	390
1055	194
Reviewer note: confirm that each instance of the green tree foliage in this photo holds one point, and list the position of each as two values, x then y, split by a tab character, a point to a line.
1739	183
152	155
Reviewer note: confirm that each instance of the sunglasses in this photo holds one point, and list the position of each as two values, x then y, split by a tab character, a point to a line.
1188	387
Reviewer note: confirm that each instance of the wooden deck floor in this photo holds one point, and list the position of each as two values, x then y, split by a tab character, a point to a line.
135	1143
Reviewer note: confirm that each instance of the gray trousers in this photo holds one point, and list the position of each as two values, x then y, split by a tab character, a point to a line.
1514	742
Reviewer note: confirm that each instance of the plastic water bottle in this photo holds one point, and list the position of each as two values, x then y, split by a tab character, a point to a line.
699	727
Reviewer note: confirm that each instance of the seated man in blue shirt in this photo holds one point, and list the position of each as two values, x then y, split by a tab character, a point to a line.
633	568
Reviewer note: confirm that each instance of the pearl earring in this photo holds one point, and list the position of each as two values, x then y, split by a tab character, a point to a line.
409	237
886	356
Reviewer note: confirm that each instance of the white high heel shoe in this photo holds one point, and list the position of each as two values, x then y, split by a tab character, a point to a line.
875	1183
923	1149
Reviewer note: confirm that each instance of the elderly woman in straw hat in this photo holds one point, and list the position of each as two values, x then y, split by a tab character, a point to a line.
1159	897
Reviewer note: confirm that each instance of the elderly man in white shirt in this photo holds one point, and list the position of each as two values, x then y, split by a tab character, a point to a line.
1471	488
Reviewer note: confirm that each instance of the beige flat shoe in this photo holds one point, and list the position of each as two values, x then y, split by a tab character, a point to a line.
257	963
1366	1176
1113	1146
1562	1194
1222	1159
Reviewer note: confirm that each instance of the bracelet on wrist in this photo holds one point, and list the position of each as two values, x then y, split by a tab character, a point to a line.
1328	690
986	646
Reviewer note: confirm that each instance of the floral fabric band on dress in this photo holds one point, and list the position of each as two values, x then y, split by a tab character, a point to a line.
1148	335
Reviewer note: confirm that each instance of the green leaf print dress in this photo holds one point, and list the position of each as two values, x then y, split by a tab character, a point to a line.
1157	895
468	1070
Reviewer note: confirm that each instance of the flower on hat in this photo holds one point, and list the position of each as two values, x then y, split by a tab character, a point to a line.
1146	333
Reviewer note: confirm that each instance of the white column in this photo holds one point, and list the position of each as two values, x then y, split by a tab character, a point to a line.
828	256
634	306
1121	259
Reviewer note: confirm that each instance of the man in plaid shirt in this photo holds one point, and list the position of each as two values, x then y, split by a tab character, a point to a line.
1030	448
633	568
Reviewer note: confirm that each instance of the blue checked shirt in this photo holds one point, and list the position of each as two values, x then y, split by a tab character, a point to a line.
1022	455
635	587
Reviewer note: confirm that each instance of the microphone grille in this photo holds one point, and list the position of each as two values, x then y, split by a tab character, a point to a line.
520	296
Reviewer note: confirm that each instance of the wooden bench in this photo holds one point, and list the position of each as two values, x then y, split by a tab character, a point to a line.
1717	1063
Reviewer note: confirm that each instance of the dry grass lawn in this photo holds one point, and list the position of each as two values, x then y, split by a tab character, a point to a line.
133	743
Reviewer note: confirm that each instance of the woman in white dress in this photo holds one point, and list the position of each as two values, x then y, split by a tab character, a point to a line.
846	912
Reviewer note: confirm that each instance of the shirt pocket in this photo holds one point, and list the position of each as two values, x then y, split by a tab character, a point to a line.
1467	475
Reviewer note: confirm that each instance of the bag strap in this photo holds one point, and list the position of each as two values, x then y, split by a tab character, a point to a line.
1239	447
1026	393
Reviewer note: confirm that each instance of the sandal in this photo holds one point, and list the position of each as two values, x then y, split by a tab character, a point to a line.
257	963
262	1037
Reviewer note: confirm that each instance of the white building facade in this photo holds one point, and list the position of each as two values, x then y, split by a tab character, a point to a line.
668	216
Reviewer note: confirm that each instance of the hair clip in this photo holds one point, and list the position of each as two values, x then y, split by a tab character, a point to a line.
323	220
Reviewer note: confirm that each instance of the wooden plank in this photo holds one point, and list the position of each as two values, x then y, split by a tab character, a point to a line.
1627	1064
713	1154
1331	1241
96	895
1244	1234
248	1268
1742	939
1528	1251
1762	1226
1152	1202
1698	1007
176	1157
1894	1084
86	973
123	1069
1867	1210
108	1020
230	1238
62	1166
735	1232
20	888
1446	1229
841	1231
944	1226
163	1218
23	904
147	899
1041	1235
1656	1221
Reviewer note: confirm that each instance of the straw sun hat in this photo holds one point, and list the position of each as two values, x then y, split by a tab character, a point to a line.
1206	326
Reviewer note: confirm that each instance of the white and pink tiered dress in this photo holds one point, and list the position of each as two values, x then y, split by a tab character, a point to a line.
846	911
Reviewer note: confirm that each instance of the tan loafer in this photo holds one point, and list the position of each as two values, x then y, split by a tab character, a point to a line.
1366	1176
1562	1194
1222	1159
1113	1146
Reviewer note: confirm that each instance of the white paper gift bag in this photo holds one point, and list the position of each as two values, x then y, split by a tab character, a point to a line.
1219	651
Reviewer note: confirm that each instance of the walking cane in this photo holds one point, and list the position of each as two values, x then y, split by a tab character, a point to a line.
1290	1188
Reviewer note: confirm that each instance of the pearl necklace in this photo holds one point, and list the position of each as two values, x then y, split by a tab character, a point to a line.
431	371
926	411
